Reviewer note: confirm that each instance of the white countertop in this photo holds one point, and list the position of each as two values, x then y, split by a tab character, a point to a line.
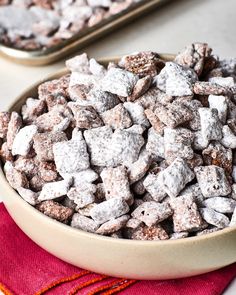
167	29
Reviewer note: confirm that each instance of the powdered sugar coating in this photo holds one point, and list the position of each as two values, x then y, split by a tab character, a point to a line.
212	181
152	212
212	217
107	210
119	82
174	178
65	154
116	183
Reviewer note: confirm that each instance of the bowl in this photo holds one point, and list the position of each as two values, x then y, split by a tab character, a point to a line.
118	257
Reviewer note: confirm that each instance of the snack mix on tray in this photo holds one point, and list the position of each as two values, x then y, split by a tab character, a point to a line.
143	149
40	24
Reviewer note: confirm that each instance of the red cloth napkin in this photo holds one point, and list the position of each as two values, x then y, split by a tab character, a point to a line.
26	269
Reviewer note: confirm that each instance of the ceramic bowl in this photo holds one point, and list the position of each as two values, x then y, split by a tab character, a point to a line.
118	257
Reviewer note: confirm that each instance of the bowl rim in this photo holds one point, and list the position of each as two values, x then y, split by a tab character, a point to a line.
6	189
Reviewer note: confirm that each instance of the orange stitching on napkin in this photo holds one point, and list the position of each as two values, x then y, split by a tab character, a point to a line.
86	284
4	289
105	287
121	286
61	281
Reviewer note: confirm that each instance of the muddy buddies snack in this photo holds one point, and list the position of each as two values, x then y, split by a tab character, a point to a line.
143	149
39	24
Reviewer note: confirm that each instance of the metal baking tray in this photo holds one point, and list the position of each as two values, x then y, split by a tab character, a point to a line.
67	47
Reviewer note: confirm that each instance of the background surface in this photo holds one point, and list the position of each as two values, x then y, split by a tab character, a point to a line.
167	29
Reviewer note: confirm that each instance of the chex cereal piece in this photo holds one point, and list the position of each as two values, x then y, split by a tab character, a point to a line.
48	171
36	183
85	223
81	79
186	216
207	88
199	141
217	154
85	116
14	126
15	178
54	92
193	56
4	121
116	183
195	161
140	88
32	109
193	105
212	181
220	204
223	81
110	209
233	219
211	127
117	117
229	138
174	178
125	146
138	129
139	168
176	80
178	143
194	191
79	63
142	63
102	100
79	92
153	96
58	114
54	190
219	102
155	143
85	211
82	195
56	211
133	223
180	235
71	156
28	195
156	123
118	81
87	175
96	68
98	141
173	114
152	212
43	143
212	217
136	112
113	225
149	233
228	66
29	166
5	153
153	185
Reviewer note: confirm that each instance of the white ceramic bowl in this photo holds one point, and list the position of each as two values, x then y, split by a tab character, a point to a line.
118	257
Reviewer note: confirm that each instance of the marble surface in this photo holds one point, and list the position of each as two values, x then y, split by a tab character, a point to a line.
166	29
